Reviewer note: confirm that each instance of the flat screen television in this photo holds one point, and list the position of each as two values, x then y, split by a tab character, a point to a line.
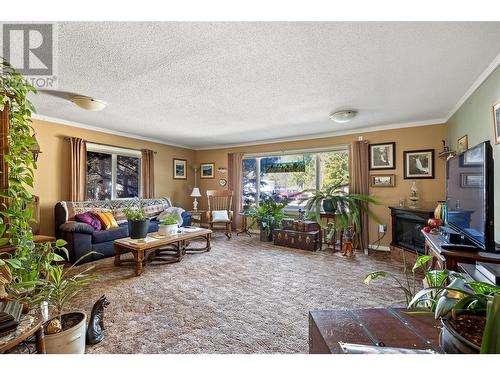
469	196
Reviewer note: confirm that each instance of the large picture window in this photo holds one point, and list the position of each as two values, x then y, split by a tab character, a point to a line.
290	176
112	172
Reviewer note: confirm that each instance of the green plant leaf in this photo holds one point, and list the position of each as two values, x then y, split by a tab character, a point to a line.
421	261
375	275
61	243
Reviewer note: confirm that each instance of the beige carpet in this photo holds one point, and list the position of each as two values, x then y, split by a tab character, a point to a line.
244	296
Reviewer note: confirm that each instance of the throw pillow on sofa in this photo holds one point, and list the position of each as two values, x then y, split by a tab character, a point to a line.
107	220
90	219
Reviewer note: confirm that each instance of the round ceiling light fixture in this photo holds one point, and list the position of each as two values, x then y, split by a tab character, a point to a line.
88	103
343	116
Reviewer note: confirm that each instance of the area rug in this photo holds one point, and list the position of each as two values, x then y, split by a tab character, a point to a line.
244	296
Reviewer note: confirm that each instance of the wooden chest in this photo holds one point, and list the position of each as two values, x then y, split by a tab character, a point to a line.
305	226
298	240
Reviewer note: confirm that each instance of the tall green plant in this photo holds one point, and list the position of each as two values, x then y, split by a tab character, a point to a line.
268	215
16	214
348	207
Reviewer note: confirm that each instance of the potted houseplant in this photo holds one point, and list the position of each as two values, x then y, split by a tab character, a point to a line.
347	207
65	332
469	312
267	216
169	225
138	224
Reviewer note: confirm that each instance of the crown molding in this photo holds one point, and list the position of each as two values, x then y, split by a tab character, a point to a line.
104	130
478	82
331	134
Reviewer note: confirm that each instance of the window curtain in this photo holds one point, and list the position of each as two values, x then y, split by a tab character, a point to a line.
234	172
148	174
78	169
359	184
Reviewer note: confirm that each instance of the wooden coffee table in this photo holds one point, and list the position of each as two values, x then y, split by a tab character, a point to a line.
166	249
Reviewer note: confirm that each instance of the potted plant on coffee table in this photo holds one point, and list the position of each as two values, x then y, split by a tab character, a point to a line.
65	332
138	224
169	225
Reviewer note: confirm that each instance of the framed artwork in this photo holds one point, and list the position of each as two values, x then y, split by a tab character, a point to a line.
180	169
382	156
383	180
207	170
462	144
471	180
496	121
472	158
418	164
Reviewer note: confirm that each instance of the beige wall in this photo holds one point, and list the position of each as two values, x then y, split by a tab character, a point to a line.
423	137
52	175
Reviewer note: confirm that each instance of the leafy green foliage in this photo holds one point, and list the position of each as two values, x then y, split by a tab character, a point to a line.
408	285
348	207
135	213
16	214
170	219
64	284
268	215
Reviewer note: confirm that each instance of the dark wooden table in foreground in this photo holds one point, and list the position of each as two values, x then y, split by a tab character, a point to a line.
391	327
30	325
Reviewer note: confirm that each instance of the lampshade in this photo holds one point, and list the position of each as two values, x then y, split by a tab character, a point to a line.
196	192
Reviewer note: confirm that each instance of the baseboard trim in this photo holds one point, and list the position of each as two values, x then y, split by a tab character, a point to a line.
379	248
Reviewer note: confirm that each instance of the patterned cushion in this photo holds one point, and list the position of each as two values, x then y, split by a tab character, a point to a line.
116	206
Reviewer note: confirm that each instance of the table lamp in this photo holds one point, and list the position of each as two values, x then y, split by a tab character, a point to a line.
195	193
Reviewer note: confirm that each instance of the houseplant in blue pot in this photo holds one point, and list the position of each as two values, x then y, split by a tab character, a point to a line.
138	224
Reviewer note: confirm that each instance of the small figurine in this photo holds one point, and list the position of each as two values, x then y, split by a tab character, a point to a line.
95	328
347	249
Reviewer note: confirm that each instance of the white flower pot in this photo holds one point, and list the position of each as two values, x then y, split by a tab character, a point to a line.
70	341
168	230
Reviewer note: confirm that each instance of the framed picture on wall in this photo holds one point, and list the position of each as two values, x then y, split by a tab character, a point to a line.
383	180
207	170
382	156
180	169
418	164
462	144
496	121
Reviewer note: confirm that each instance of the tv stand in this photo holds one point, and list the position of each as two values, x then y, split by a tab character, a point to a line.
444	258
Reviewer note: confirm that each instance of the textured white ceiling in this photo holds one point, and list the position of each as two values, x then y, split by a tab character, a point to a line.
216	84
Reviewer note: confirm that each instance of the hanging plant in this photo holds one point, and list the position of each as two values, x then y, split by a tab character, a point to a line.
16	213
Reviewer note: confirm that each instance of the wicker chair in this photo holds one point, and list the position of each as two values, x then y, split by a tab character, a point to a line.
220	200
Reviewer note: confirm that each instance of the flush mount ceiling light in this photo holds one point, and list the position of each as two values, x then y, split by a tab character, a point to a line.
88	103
343	116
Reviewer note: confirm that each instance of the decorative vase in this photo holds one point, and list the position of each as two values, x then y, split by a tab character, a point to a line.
414	195
138	228
440	210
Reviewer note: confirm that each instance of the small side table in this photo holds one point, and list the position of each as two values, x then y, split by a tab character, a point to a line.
244	225
197	217
330	220
29	325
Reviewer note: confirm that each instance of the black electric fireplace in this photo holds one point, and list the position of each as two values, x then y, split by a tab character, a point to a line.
407	225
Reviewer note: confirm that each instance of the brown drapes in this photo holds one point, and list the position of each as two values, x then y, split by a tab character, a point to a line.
148	174
78	169
359	184
234	163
